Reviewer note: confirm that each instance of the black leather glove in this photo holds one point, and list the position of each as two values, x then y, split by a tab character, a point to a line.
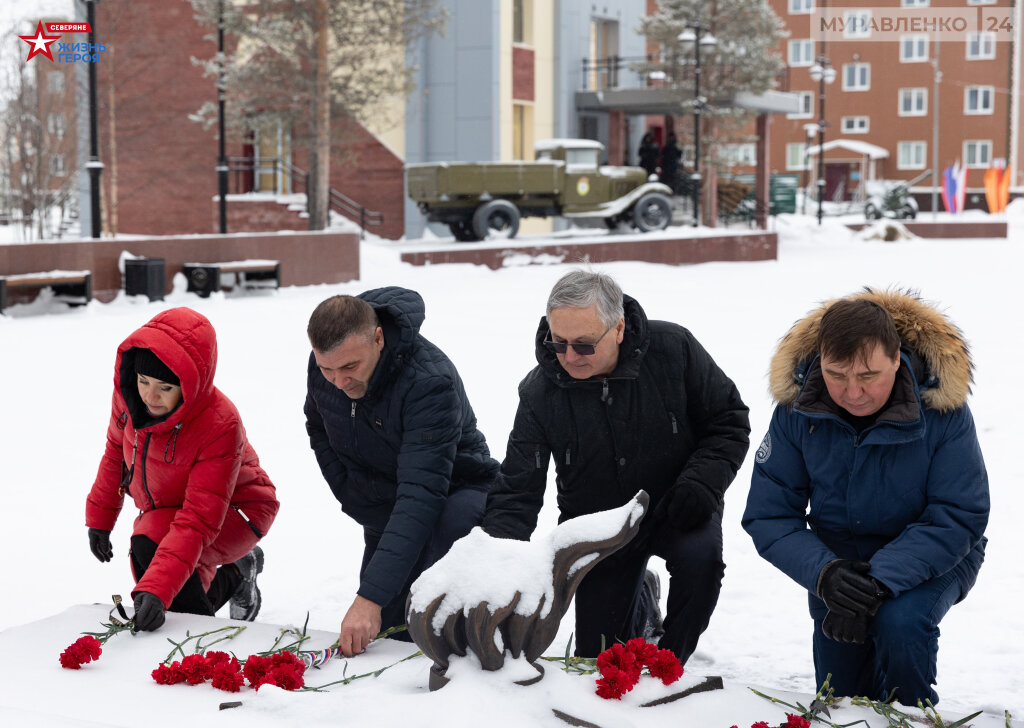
845	629
848	591
691	506
149	612
99	544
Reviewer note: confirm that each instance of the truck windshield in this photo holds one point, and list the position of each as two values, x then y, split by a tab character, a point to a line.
581	157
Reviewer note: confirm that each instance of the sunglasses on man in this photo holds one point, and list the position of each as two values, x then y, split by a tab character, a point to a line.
560	347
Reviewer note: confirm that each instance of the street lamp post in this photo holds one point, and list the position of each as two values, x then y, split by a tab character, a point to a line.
810	130
823	73
222	162
94	165
698	36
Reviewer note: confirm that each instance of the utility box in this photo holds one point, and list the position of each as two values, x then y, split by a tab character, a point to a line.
145	277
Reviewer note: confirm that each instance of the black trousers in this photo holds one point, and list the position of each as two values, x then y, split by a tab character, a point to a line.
192	599
612	603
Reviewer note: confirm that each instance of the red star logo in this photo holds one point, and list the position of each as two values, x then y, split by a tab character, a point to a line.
40	43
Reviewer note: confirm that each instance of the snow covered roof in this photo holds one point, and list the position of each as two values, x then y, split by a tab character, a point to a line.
546	144
862	148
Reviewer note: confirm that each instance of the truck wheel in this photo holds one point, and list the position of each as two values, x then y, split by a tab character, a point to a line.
653	211
463	231
497	218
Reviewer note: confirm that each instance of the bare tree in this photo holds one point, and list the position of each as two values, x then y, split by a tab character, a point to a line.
307	64
37	159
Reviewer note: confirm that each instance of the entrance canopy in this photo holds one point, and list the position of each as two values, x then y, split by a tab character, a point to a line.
859	148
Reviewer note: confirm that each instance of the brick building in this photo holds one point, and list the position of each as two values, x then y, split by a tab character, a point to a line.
936	79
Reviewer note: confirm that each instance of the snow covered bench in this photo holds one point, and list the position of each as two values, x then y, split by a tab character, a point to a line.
71	286
205	278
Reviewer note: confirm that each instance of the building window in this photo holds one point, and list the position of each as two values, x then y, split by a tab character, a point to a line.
857	24
739	154
522	22
913	102
800	7
978	99
981	2
915	3
978	153
55	125
910	155
57	165
796	157
801	52
856	124
806	104
914	48
856	76
55	82
981	46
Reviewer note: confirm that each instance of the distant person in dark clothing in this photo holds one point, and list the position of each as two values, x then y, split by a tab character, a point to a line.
649	153
670	155
397	442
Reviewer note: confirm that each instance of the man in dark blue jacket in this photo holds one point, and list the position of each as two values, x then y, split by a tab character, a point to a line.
396	439
873	432
622	403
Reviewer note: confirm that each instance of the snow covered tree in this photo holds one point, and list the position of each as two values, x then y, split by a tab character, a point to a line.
744	58
37	158
304	64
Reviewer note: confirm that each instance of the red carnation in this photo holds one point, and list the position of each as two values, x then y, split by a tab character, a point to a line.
195	669
665	666
83	650
760	724
796	721
227	679
618	657
215	659
615	683
168	674
255	669
642	649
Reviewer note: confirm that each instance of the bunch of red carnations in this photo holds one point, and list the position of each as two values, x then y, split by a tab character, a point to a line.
83	650
621	666
792	721
225	672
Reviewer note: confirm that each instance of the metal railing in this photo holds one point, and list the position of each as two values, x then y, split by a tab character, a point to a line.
607	73
244	177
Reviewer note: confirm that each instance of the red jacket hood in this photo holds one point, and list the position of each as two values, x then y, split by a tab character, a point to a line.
186	342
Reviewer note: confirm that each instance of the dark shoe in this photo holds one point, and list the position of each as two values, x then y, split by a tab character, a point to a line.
653	629
245	602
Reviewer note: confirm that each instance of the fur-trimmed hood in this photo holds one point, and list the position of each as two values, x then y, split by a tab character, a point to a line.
925	330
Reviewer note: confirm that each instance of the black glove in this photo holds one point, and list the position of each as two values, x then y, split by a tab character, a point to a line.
848	591
845	629
149	612
690	506
99	544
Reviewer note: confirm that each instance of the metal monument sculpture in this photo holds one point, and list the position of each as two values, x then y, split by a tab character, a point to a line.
446	617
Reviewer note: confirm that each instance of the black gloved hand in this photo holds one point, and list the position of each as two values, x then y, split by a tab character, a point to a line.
690	506
99	544
845	629
149	612
848	591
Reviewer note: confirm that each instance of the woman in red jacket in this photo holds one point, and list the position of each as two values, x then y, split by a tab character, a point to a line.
176	445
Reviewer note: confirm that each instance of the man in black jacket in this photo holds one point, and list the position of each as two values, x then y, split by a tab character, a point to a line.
623	404
397	442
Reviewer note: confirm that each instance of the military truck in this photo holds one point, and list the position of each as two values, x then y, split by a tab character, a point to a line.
487	199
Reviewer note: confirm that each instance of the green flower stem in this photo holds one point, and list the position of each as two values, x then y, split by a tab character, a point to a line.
347	680
224	634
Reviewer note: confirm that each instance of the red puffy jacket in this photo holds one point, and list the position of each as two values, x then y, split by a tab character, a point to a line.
196	480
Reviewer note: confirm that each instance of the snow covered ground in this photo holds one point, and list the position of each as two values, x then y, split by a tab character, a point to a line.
55	375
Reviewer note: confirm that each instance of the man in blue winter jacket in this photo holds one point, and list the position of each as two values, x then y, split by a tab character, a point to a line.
397	442
873	432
